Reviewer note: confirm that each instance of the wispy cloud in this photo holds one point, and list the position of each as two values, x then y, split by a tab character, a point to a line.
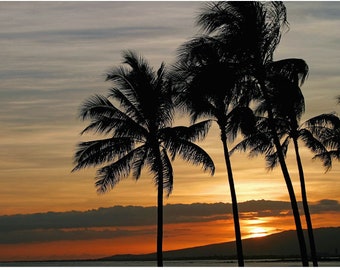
55	54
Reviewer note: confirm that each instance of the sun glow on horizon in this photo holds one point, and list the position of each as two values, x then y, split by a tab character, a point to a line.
257	227
257	232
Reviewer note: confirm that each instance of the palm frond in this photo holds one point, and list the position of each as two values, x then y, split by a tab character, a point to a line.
97	105
213	16
109	176
328	120
249	26
326	158
257	143
285	97
93	153
132	81
195	132
102	124
137	62
274	24
118	127
107	118
168	174
294	69
311	142
326	128
155	166
138	164
190	152
264	145
335	154
138	86
240	119
332	141
127	83
119	75
272	159
128	103
197	106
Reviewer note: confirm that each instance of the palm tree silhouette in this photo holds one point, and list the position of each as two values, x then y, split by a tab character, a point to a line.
253	30
288	107
140	133
203	90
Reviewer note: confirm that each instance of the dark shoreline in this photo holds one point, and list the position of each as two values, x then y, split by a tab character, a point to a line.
227	260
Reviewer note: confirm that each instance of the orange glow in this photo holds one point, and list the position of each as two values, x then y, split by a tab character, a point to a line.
257	227
257	232
87	249
176	236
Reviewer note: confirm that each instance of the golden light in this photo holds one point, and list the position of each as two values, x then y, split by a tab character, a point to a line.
257	232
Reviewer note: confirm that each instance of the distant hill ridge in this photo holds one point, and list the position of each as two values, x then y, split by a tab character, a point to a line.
280	245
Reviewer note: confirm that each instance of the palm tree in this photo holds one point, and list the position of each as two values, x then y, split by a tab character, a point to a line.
140	133
204	90
252	30
289	106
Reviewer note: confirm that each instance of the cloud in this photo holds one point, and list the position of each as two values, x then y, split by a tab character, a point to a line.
117	221
325	206
28	236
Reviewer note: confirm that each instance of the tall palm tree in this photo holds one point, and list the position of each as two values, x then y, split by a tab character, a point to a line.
288	107
204	90
253	30
139	133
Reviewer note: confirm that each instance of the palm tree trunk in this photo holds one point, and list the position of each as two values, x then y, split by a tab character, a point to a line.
305	205
233	199
284	169
159	209
160	223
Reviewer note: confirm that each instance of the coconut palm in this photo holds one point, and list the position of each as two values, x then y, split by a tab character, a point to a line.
207	86
252	31
288	107
139	133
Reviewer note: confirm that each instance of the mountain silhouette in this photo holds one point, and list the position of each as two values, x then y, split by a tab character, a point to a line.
280	246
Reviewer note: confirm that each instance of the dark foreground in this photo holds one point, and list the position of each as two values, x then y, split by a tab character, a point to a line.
172	263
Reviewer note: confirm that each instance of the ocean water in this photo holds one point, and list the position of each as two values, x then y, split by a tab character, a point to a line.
178	263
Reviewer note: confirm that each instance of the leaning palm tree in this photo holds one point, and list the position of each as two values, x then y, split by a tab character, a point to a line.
139	133
252	30
288	107
204	90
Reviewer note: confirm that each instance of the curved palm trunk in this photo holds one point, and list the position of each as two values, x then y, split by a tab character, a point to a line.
233	199
305	204
284	169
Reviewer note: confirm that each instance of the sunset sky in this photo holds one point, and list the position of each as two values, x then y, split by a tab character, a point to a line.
54	55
